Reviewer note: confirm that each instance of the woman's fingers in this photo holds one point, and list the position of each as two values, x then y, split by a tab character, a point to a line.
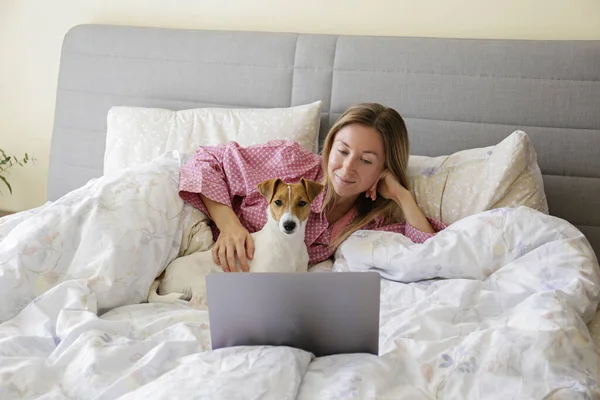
241	253
373	191
231	265
223	258
215	254
250	246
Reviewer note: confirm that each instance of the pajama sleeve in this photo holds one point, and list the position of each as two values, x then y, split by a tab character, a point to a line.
203	173
225	171
410	231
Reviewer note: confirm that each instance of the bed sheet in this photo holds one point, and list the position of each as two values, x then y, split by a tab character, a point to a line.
495	306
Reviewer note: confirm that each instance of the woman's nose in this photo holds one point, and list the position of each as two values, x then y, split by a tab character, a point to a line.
348	164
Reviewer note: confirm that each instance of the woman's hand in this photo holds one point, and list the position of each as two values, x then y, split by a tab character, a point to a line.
233	242
388	187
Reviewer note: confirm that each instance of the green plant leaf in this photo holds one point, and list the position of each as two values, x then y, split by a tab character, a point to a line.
3	179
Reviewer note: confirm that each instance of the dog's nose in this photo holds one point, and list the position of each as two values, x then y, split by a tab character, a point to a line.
289	226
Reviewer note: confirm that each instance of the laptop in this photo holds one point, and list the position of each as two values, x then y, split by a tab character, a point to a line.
323	313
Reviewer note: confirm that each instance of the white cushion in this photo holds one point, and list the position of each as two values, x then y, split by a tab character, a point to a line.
136	134
449	188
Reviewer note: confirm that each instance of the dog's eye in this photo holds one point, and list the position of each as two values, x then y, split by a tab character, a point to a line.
278	202
301	203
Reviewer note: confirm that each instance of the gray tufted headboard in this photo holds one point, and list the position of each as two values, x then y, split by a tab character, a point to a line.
454	93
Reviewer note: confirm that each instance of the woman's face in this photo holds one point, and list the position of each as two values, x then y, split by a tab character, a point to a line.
356	160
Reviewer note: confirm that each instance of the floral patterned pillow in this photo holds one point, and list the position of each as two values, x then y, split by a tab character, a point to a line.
455	186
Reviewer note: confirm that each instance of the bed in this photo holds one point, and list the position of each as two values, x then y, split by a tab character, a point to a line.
502	304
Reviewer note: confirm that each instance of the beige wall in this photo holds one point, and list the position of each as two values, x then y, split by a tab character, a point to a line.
31	32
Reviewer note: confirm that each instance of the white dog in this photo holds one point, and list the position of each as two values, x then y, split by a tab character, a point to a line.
278	247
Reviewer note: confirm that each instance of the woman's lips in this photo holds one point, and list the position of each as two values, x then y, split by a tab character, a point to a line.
344	181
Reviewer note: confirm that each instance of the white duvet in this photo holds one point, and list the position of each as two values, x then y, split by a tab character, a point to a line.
494	307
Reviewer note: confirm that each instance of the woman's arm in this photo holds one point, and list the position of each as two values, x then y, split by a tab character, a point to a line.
417	227
412	212
204	183
233	240
215	175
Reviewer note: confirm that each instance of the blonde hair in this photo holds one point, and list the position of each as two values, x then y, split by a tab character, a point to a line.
392	129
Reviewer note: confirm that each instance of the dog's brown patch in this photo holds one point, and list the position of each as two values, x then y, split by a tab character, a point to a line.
279	202
302	194
269	188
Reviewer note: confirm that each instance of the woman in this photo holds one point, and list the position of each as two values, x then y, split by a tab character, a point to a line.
363	166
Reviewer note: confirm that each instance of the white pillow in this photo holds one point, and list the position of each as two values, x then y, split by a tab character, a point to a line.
449	188
136	134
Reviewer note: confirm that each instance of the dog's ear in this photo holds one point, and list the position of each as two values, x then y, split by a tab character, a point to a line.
312	188
268	188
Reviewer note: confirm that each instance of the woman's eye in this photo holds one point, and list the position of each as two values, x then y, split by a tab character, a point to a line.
301	203
344	152
278	202
367	162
